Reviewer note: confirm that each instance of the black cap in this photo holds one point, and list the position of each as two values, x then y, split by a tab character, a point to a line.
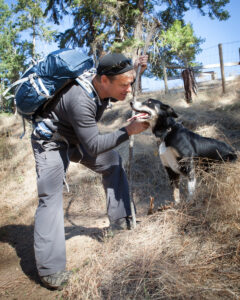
114	64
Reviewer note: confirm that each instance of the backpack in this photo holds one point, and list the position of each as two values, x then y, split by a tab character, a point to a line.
42	81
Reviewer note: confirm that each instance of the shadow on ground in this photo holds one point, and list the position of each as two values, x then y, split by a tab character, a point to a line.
20	237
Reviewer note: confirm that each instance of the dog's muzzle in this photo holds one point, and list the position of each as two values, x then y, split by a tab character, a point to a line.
142	113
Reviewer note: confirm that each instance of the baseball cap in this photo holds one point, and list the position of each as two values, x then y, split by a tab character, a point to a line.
114	64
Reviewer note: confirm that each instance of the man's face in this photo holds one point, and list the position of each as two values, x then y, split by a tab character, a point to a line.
120	86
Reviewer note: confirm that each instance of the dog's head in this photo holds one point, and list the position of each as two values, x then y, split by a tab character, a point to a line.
155	112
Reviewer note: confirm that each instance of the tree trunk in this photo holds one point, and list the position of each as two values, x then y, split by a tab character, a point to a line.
165	77
1	97
138	34
138	30
34	39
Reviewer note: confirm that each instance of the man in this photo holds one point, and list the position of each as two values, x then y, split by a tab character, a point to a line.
75	113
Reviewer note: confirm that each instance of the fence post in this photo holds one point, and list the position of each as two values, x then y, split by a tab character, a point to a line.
213	75
222	67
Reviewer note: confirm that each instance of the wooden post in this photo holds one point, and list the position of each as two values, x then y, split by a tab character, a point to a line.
222	67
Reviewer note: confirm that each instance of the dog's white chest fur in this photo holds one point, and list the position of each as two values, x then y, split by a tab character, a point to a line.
168	156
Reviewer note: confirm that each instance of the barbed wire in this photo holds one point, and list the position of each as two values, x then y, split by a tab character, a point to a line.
210	55
235	42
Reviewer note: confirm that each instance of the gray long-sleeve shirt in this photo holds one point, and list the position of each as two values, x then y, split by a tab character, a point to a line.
78	115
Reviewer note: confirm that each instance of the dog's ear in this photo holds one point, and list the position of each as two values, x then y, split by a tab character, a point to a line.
169	110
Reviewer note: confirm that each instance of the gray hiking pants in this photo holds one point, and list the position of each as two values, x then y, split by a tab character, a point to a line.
51	166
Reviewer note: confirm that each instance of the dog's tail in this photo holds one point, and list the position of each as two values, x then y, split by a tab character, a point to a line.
232	157
227	154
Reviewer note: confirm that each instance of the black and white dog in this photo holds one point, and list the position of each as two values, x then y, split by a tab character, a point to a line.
180	148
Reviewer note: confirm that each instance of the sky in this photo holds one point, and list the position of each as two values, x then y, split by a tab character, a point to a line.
215	31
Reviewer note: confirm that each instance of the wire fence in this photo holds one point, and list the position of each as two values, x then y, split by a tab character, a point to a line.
211	55
210	60
231	55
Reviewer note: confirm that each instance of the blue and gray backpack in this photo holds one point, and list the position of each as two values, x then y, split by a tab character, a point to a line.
42	81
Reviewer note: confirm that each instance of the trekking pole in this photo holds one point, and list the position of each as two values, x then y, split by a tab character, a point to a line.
151	32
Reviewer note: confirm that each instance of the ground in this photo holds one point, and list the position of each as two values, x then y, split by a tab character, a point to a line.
211	114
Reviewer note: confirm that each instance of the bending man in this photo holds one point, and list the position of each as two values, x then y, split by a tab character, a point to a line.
75	113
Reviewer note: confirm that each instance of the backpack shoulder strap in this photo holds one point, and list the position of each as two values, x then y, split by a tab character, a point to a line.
86	84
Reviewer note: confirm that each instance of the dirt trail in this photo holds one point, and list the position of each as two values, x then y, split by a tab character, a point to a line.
84	206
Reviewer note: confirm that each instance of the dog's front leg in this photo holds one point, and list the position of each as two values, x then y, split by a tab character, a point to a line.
176	194
191	180
188	169
175	181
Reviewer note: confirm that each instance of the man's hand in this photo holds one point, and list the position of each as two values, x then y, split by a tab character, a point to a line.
141	60
136	127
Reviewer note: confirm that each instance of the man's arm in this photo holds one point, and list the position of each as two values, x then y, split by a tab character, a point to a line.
81	113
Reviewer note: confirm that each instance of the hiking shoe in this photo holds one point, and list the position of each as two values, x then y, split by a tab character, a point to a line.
122	224
57	280
119	225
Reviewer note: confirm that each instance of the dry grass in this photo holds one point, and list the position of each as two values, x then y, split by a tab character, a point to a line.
17	172
191	252
187	252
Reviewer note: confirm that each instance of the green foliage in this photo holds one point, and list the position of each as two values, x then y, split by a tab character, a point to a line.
180	40
212	8
118	25
12	49
30	17
175	9
126	46
98	25
16	51
176	46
